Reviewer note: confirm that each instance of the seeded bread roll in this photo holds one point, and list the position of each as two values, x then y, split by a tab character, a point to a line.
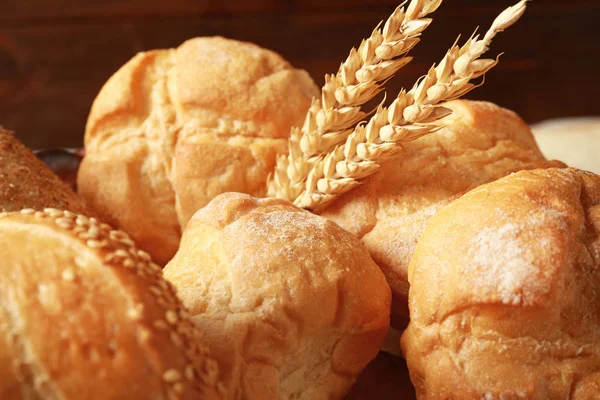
291	305
482	142
85	315
174	128
25	182
505	292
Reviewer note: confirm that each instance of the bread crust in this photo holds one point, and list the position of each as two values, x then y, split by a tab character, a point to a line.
504	297
481	143
84	314
25	182
293	304
174	128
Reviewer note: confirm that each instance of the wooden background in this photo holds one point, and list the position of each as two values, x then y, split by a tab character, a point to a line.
56	54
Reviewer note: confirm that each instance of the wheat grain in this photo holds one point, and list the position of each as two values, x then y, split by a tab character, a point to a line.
331	119
411	115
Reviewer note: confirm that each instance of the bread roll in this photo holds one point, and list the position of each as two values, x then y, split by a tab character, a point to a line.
505	292
573	140
482	142
85	315
174	128
25	182
291	305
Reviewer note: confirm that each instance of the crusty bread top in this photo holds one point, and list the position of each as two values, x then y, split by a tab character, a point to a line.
481	143
263	243
512	242
507	280
294	304
84	314
174	128
222	86
25	182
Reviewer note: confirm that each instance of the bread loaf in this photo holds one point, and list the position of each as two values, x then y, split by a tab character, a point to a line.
482	142
174	128
290	303
85	315
25	182
505	292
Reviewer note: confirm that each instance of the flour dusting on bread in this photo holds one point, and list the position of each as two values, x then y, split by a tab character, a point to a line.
500	263
503	264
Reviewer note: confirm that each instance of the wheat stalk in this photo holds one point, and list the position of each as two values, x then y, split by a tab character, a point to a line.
330	120
411	115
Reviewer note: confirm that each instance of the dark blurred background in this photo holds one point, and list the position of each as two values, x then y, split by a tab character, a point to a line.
56	54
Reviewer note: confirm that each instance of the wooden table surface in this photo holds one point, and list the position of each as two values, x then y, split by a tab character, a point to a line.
56	54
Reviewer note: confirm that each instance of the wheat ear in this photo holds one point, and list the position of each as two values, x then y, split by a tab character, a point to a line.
330	120
411	115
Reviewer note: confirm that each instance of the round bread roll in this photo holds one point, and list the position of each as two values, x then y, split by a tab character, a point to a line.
290	304
25	182
505	292
85	315
482	142
573	140
174	128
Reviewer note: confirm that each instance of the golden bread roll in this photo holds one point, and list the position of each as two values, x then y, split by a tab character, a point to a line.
25	182
482	142
174	128
85	315
290	304
505	292
576	141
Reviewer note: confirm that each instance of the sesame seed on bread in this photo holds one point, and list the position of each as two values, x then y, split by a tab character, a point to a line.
85	314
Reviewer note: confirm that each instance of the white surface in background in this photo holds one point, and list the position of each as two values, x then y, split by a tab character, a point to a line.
575	141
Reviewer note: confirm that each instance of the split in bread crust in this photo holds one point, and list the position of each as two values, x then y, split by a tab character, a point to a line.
481	143
291	304
505	292
85	315
174	128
